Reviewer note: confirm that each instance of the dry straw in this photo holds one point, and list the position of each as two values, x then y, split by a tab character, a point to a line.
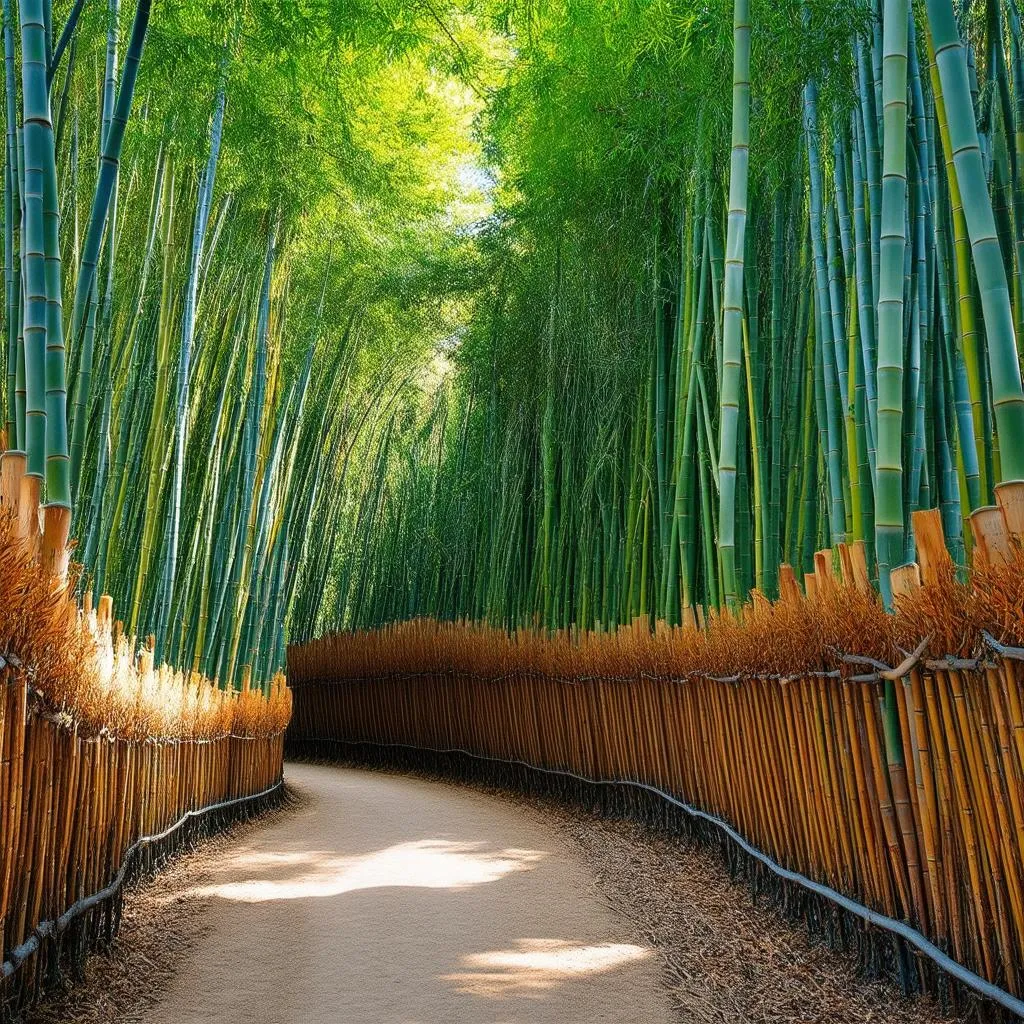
90	672
810	629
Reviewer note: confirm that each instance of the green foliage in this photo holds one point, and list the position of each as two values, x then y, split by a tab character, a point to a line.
572	474
346	128
458	293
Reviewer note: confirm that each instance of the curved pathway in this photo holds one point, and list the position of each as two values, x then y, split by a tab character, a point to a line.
392	900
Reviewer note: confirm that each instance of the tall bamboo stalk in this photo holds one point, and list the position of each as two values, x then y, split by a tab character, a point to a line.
732	329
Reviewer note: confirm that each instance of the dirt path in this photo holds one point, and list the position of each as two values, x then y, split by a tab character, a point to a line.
391	900
468	905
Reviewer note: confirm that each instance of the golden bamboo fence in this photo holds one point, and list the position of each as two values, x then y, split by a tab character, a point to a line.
108	765
80	816
909	846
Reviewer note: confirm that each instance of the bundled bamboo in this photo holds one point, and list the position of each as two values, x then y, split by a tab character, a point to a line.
779	723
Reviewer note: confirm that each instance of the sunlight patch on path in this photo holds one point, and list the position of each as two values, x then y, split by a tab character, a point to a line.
537	965
425	863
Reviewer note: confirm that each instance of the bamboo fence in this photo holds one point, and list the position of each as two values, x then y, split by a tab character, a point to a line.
920	831
108	763
79	816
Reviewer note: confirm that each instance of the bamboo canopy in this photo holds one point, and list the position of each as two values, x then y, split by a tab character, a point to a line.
725	340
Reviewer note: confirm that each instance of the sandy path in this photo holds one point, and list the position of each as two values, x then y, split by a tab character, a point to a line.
390	900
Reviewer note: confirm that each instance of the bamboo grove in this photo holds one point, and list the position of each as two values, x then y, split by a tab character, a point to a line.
218	220
328	314
751	289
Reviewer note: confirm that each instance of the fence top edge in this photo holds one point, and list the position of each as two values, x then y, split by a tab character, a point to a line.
880	673
105	735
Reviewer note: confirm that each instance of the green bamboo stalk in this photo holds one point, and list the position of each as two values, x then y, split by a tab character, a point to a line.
732	323
889	522
38	139
1004	365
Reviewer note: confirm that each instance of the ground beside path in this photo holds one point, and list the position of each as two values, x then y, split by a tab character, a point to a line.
387	898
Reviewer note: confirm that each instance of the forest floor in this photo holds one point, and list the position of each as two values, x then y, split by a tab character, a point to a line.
390	899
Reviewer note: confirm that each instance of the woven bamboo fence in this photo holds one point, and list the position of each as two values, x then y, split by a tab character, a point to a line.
916	860
82	815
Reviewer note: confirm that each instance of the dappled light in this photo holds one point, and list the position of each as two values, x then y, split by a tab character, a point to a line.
424	863
535	966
